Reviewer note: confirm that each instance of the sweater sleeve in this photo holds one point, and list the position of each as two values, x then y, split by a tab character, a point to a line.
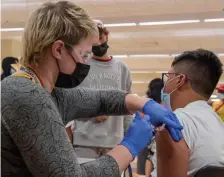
87	103
33	121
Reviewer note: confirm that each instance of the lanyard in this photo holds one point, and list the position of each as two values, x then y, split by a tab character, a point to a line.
25	72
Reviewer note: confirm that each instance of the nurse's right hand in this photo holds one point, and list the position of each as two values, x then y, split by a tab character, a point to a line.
138	135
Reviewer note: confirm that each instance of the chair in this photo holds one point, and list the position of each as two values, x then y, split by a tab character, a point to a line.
210	171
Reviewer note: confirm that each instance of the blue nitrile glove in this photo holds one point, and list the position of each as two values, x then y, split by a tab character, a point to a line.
138	135
160	115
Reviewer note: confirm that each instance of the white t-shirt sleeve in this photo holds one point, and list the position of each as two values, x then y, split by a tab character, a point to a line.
188	127
70	124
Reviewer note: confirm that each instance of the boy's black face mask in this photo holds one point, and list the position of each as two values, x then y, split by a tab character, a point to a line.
100	50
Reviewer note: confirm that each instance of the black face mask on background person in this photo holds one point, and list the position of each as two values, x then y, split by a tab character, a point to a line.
75	79
100	50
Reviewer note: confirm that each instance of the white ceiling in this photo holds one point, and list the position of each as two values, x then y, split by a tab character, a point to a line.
164	39
111	11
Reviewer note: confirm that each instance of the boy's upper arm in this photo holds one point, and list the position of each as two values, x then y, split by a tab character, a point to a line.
172	157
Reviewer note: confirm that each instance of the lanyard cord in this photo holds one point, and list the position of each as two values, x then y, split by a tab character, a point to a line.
28	73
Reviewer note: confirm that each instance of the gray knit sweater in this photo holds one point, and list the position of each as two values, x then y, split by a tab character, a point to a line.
34	140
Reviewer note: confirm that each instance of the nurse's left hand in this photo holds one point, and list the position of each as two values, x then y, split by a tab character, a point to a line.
163	116
139	134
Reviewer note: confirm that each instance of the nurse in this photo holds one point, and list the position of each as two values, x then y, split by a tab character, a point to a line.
34	111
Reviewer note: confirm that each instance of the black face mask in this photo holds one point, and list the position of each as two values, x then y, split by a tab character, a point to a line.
75	79
100	50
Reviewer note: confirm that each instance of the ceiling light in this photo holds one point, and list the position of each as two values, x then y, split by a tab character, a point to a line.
141	72
168	22
141	23
160	72
120	24
214	20
120	56
197	32
174	55
139	82
12	29
149	55
152	55
148	72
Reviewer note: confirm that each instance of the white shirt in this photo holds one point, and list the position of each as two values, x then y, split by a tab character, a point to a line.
204	135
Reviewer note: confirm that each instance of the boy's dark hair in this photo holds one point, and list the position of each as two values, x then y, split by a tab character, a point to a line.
154	89
203	69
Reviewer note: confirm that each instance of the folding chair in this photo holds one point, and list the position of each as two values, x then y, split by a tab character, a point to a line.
210	171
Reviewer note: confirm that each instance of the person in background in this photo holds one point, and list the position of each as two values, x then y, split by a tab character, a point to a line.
9	66
154	92
94	137
144	163
188	86
218	106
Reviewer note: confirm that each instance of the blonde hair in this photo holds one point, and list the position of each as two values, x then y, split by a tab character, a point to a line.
55	21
